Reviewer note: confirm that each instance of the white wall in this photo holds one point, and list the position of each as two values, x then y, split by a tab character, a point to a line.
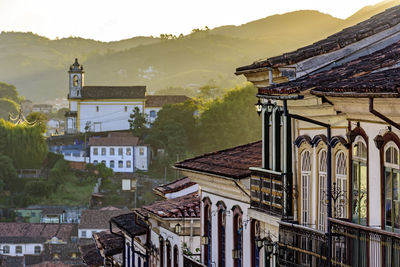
228	229
147	114
89	232
110	117
184	192
124	157
27	249
141	161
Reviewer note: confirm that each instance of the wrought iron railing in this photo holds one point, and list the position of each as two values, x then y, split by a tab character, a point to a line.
266	189
356	245
301	246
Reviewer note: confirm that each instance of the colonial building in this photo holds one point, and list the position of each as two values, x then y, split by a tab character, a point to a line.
331	147
107	108
120	151
228	232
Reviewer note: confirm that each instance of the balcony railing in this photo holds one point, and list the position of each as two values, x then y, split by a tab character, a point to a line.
301	246
356	245
266	189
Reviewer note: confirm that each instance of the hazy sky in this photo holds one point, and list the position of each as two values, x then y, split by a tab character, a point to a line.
120	19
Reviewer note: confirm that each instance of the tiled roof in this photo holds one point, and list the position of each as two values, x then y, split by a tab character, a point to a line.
127	222
161	100
52	210
233	162
174	186
38	232
91	256
98	219
115	139
8	261
114	92
355	74
110	244
64	252
187	206
53	264
375	24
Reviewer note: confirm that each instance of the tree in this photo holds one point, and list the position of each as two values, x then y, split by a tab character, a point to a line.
174	129
39	118
7	107
9	91
137	123
230	121
8	174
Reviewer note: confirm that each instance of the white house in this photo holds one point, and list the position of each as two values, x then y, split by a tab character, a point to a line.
120	151
107	108
228	231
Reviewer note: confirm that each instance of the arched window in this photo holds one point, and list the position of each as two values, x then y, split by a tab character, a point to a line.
254	235
176	256
341	184
221	233
237	252
305	187
75	80
207	231
322	171
392	183
169	259
161	252
359	181
153	114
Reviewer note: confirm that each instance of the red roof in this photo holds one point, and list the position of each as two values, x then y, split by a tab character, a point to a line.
233	162
174	186
115	139
161	100
187	206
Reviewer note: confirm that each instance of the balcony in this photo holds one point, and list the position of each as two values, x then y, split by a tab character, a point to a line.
266	189
301	246
356	245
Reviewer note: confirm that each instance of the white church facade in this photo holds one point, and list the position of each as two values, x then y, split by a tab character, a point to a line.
107	108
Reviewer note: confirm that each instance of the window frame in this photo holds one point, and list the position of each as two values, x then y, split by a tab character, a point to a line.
36	250
322	189
18	249
305	175
95	151
343	185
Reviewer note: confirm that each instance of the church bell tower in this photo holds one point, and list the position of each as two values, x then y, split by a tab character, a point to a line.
76	80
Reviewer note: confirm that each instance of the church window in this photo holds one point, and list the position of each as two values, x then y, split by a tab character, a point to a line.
120	164
95	151
112	151
103	151
152	114
128	151
103	162
112	165
95	162
97	108
128	163
141	151
120	150
75	80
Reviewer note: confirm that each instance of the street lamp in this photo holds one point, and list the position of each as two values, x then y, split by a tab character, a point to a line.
259	107
178	228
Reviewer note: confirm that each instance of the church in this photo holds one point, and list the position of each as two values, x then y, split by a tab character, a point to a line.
107	108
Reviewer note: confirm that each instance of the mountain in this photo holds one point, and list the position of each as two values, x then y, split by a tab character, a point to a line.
38	66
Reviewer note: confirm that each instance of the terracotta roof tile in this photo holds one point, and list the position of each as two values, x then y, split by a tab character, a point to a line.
363	72
98	219
91	256
127	222
114	92
375	24
233	162
110	244
115	139
40	232
187	206
174	186
161	100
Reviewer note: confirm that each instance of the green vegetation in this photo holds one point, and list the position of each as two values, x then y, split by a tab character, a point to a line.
37	65
23	143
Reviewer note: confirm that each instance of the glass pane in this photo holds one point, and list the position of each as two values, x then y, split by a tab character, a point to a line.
388	156
395	156
354	206
396	199
363	193
355	150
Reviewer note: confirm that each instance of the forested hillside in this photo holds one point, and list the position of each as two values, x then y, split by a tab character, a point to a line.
37	65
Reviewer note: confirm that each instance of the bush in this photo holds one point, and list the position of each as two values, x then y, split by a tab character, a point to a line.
38	189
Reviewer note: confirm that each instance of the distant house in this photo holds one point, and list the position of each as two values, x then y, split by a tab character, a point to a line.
31	239
178	188
52	215
120	151
94	221
107	108
154	103
31	215
43	108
